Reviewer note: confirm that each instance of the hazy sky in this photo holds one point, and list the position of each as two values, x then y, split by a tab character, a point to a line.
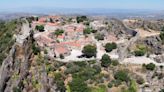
111	4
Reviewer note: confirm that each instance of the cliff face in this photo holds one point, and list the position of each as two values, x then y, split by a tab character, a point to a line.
18	72
16	63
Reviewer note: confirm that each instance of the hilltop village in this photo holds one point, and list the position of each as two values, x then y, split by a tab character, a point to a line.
81	54
64	39
67	39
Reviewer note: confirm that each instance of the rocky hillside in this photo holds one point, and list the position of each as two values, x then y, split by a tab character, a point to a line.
145	24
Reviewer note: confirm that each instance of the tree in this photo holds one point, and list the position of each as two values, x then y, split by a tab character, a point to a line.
59	82
35	49
162	36
110	46
105	61
86	73
162	90
40	28
99	37
141	50
150	66
121	75
16	89
110	85
61	56
59	32
78	85
94	31
60	85
162	29
97	68
89	51
139	53
81	19
51	20
115	62
87	31
36	18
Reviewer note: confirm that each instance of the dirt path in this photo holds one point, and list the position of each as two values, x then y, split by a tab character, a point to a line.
147	33
141	60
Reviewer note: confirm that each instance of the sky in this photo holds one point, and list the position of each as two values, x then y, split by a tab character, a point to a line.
107	4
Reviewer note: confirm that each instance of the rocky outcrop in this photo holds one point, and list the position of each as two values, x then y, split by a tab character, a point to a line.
19	70
123	48
17	63
6	69
155	44
145	24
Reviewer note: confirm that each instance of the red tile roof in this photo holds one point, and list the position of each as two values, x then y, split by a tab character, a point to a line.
42	19
52	24
61	36
61	50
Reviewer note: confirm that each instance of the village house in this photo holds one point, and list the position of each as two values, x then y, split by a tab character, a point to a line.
61	50
43	41
96	25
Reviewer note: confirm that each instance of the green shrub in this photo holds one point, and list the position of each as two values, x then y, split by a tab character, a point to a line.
99	37
2	57
162	29
81	63
105	60
81	19
78	85
85	73
59	32
150	66
122	76
72	69
40	28
61	56
69	65
133	86
91	62
94	31
162	36
161	66
16	89
115	62
97	68
35	49
110	85
162	90
100	88
59	82
141	50
60	85
139	53
115	83
89	51
87	31
110	46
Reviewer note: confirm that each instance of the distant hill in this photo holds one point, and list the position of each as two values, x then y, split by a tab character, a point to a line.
117	13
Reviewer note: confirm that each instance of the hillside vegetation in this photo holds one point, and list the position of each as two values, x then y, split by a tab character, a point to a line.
7	30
